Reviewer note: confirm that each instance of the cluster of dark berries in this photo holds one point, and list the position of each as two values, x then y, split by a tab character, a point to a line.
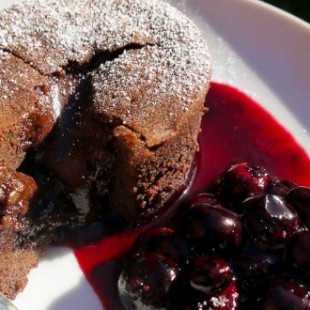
243	245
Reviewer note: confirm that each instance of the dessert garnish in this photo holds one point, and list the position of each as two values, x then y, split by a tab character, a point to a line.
244	243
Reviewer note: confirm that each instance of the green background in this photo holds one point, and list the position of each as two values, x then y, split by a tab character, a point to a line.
300	8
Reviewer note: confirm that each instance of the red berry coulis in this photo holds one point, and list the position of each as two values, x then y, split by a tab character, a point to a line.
235	129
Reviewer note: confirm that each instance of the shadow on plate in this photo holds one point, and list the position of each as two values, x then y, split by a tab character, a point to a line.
103	280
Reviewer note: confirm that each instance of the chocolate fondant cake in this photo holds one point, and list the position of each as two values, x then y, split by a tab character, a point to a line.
101	103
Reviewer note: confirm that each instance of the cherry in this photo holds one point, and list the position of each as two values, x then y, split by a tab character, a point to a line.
255	266
210	275
212	249
204	198
190	299
299	197
226	300
146	280
211	227
286	295
163	241
280	187
270	220
241	181
298	251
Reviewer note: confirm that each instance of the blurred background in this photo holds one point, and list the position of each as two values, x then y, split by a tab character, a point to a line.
300	8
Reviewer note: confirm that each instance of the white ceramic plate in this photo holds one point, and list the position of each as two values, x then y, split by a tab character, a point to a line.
255	47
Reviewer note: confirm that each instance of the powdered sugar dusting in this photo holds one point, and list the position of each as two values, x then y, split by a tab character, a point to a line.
56	103
50	33
164	77
47	33
162	80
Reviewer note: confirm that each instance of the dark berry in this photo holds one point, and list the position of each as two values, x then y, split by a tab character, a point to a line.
146	281
163	241
190	299
298	251
240	182
208	227
255	266
286	295
215	258
226	300
270	220
279	187
210	275
299	197
204	198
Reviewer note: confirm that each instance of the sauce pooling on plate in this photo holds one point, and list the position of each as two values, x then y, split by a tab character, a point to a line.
235	129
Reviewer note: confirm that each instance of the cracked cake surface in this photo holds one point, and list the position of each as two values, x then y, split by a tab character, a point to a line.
50	35
101	102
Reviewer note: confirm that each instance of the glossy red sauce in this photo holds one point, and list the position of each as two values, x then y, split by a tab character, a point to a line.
235	129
